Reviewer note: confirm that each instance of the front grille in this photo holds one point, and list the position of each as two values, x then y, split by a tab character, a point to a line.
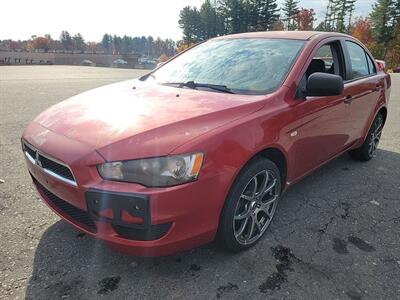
55	167
153	233
76	214
31	152
52	166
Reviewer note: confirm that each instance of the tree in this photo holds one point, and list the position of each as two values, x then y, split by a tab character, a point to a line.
342	9
330	16
106	42
321	27
305	19
290	8
13	45
41	43
384	19
361	30
92	46
338	16
351	8
117	44
233	13
211	21
279	26
393	56
182	46
268	14
191	24
263	14
164	57
126	44
78	42
66	40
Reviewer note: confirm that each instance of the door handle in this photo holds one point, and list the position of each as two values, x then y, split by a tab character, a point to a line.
348	99
377	88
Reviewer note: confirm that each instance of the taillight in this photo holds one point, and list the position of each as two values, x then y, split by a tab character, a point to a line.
381	65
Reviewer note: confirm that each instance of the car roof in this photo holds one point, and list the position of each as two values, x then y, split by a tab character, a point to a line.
292	35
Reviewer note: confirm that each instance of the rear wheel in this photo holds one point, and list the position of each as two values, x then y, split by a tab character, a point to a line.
368	148
250	205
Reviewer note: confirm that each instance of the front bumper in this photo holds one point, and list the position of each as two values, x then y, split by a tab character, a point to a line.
128	217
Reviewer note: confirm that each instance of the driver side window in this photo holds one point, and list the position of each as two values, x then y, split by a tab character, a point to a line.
327	59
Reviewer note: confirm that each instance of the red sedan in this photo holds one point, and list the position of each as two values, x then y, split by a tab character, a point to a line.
203	147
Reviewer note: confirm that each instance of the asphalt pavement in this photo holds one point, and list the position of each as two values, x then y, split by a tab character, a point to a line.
336	234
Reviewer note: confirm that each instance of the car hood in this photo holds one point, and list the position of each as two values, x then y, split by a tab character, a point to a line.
133	119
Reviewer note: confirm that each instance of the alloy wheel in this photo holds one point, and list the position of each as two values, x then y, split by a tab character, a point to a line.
376	133
255	208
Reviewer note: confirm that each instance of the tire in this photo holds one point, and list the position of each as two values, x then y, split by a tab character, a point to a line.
368	148
250	205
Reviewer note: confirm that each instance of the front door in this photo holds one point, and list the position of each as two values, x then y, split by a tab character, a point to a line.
320	129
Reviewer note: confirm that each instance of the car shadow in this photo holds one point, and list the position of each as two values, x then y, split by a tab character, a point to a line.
70	264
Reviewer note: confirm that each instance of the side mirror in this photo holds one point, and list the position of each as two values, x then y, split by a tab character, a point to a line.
324	84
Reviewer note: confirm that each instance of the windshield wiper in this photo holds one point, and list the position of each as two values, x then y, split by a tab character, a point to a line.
195	85
144	77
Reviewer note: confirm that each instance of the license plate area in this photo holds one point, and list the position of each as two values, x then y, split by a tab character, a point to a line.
124	209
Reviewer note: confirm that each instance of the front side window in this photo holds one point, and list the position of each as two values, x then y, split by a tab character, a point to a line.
358	60
371	65
325	60
244	66
325	54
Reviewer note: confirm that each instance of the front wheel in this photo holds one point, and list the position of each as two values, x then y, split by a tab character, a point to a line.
250	205
368	148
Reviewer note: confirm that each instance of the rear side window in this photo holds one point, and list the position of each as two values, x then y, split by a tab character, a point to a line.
358	60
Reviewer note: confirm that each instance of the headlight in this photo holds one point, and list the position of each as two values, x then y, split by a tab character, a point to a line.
155	172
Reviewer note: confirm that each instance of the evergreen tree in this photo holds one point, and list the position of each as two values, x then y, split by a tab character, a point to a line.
232	12
290	8
395	13
269	14
117	44
211	20
320	27
264	14
384	18
66	40
351	8
191	24
328	20
78	42
106	42
343	8
339	14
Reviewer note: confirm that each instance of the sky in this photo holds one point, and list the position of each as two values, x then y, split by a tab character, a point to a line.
20	19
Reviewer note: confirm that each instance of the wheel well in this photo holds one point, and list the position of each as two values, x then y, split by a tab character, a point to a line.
383	111
277	158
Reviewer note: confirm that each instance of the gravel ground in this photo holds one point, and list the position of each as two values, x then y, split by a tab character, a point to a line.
335	236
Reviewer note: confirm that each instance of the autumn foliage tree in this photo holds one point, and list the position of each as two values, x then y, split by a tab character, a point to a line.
304	19
361	30
279	26
182	46
393	55
164	57
41	43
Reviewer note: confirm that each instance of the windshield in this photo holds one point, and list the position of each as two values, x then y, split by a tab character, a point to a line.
248	66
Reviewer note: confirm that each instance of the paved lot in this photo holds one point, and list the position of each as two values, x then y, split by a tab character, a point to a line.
336	234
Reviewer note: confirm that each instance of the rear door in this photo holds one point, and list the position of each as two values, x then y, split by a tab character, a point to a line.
362	87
